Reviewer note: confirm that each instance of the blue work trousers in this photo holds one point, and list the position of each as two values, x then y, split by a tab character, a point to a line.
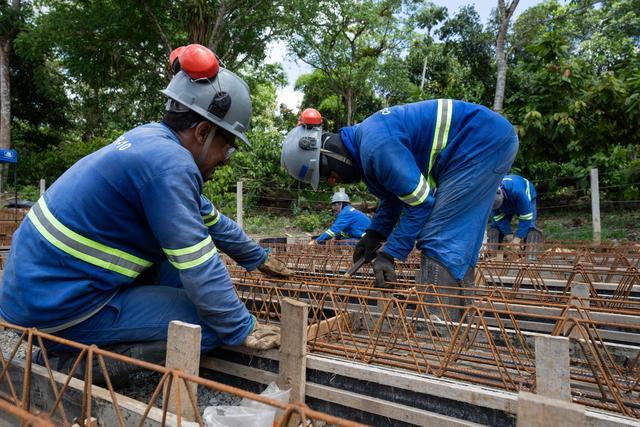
465	192
139	313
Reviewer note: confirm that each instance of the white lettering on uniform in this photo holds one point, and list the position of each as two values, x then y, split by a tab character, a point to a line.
122	143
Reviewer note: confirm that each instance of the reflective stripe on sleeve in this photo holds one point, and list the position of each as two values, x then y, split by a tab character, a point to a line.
526	216
528	190
192	256
81	247
498	217
212	218
331	233
418	195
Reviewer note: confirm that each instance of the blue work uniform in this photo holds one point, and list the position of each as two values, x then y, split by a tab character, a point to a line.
519	200
349	224
435	166
135	203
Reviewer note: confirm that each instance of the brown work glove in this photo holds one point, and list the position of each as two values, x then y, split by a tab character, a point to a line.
514	244
273	267
263	337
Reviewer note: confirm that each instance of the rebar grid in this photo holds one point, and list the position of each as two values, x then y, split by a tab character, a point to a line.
19	403
408	326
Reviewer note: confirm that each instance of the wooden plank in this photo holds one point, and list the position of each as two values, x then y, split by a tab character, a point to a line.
183	353
293	348
543	411
552	367
383	408
342	321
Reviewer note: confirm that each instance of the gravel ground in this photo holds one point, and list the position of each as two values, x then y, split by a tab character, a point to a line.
143	385
8	341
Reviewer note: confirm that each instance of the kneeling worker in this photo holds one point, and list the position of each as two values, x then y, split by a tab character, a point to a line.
75	259
515	197
402	154
350	223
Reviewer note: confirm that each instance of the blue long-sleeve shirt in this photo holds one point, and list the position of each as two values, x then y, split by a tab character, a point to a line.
350	223
519	200
394	150
131	204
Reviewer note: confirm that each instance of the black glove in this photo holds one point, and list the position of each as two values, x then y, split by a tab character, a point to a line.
368	246
385	269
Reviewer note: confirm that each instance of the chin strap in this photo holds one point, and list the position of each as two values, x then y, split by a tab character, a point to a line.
206	146
336	156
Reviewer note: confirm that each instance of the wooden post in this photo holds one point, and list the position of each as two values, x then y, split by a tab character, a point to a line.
552	367
541	411
239	205
595	206
42	187
183	353
293	348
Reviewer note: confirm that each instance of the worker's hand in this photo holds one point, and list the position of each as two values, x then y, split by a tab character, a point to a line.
514	244
273	267
366	247
508	238
385	269
263	337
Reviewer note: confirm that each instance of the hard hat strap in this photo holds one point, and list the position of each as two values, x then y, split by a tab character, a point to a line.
207	145
336	156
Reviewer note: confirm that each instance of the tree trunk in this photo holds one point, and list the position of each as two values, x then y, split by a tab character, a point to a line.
5	106
501	61
348	99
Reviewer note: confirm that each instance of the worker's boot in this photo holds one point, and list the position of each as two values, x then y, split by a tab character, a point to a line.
432	272
152	352
532	241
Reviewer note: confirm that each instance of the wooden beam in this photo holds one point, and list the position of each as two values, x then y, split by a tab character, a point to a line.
183	353
552	367
293	348
341	322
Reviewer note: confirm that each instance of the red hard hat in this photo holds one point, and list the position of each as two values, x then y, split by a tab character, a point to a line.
311	117
196	60
173	63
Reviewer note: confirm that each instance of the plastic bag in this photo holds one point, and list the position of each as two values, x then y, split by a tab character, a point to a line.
250	413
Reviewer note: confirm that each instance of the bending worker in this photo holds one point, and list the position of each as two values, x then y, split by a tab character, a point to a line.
403	154
350	223
75	264
515	196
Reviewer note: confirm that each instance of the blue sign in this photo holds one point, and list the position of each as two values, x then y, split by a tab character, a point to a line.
8	156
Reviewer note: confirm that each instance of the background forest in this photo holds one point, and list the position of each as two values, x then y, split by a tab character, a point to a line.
83	72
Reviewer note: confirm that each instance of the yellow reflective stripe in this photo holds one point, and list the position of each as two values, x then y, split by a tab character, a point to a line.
526	216
499	217
191	256
418	195
528	191
441	133
91	243
75	253
331	233
190	249
212	218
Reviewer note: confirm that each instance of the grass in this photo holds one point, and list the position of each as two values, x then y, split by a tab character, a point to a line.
567	226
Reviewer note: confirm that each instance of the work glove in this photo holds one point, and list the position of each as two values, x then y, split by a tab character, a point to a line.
385	269
367	246
263	337
508	238
273	267
312	242
514	244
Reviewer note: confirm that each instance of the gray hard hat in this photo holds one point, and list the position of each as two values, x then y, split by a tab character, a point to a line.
340	197
223	100
301	154
497	202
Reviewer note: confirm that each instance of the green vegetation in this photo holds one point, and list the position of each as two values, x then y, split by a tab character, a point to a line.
84	72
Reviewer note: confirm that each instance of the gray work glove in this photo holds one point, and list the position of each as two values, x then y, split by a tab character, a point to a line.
385	269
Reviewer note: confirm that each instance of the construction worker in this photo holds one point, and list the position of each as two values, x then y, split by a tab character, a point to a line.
435	166
515	196
133	204
350	223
